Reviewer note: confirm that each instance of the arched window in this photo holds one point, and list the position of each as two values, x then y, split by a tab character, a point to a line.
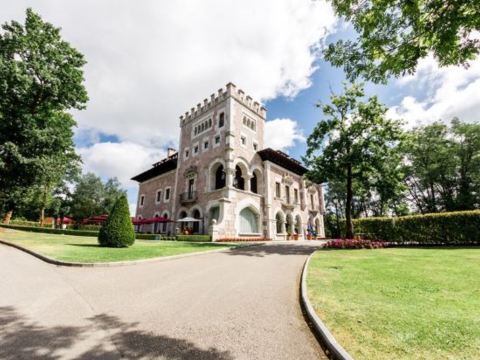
248	222
279	220
219	178
253	184
238	182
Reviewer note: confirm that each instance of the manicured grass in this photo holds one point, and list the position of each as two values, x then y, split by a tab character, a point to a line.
86	249
400	303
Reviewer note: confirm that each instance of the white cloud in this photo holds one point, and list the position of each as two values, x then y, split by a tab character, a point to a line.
447	92
281	134
150	61
123	160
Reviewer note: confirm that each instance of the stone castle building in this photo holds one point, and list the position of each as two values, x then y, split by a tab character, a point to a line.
223	176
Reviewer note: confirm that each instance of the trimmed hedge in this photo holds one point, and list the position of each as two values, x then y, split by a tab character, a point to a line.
451	228
200	238
117	231
50	230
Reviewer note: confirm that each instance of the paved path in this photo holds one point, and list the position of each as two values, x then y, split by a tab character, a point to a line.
240	304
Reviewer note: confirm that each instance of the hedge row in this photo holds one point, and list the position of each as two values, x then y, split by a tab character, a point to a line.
50	230
199	238
452	228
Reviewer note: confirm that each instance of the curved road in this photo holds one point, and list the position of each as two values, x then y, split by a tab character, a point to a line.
239	304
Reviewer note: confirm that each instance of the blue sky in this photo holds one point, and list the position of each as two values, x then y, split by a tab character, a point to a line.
150	61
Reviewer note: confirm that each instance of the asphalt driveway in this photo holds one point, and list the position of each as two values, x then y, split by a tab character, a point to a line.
240	304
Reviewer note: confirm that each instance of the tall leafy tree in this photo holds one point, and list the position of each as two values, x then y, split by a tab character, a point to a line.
442	166
466	139
355	140
41	78
92	197
394	35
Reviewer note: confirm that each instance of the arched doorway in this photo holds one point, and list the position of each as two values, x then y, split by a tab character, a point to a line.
289	224
196	225
298	225
164	224
280	222
156	226
181	215
248	222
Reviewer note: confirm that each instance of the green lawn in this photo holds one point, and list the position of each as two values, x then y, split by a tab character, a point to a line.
86	249
400	303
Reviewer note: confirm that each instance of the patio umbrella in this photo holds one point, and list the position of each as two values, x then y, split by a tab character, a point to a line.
188	219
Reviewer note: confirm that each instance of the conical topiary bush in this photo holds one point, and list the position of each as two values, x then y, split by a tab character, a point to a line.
118	230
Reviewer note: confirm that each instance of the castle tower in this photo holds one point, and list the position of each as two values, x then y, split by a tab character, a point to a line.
218	163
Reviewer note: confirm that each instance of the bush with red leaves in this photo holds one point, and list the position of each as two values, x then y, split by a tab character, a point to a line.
354	244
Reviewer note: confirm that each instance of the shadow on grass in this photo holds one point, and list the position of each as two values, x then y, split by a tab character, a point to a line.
105	337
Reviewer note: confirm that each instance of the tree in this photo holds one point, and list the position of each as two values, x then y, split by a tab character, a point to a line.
118	230
41	78
394	35
442	166
92	197
355	141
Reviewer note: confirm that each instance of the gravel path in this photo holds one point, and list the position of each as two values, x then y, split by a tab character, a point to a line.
239	304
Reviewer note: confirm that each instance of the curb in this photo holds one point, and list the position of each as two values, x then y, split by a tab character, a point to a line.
334	349
118	263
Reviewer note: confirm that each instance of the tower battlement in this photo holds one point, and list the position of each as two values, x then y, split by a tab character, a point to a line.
230	90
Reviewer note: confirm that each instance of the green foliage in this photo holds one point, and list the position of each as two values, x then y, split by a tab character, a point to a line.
443	167
118	230
356	148
92	197
41	79
394	35
200	238
451	228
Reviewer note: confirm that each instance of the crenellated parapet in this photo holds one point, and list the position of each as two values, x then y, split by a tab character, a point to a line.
222	94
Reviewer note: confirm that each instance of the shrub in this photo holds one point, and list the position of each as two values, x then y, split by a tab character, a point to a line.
200	238
45	230
354	244
451	228
118	230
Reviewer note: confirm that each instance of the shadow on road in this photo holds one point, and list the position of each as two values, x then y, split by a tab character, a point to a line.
270	249
21	338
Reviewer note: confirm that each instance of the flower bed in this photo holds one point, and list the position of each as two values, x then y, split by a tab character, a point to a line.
354	244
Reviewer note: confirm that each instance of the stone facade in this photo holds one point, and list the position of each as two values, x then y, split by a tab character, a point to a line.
223	176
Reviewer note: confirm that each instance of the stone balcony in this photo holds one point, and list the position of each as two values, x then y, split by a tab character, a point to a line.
289	204
188	197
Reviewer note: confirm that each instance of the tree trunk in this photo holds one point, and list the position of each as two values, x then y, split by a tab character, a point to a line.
7	216
348	205
44	204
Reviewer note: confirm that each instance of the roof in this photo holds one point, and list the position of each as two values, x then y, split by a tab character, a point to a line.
281	159
159	168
